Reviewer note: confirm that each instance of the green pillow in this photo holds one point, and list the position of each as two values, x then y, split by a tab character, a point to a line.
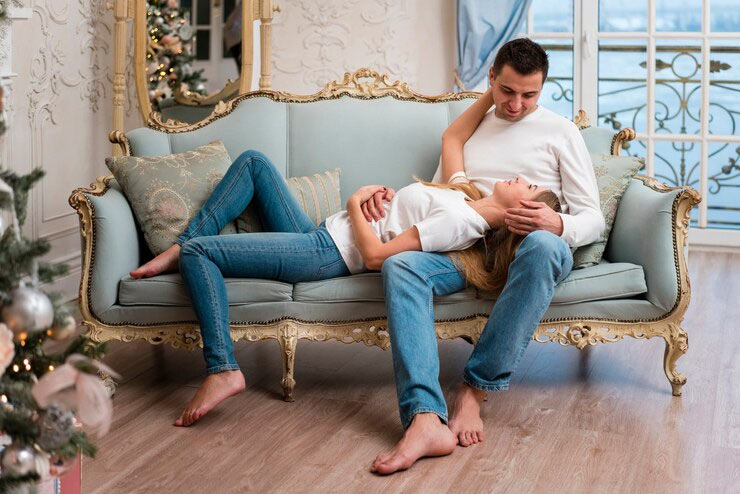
165	192
318	195
613	175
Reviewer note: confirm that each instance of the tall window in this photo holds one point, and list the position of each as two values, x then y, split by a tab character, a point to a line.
670	69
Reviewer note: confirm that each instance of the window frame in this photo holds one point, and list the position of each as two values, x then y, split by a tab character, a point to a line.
586	37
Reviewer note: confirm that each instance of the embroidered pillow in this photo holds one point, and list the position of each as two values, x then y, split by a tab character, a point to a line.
166	192
613	175
318	195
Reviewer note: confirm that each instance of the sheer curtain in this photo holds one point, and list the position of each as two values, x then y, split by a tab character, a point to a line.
482	27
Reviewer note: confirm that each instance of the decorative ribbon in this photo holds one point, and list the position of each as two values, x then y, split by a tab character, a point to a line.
78	390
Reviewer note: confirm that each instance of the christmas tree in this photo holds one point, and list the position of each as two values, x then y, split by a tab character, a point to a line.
40	392
170	54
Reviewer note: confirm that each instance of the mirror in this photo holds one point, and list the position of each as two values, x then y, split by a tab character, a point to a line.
189	55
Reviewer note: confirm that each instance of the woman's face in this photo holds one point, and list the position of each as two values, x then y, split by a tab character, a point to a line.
508	193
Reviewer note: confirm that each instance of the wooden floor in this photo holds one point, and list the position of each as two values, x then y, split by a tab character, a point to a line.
598	421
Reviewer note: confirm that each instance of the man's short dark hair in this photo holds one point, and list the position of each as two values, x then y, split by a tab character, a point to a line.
524	56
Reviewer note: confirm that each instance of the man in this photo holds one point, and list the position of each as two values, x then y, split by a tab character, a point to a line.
517	139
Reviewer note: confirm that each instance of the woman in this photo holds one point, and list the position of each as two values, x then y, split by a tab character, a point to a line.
435	218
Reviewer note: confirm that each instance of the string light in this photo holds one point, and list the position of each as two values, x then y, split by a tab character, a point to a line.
16	368
51	368
4	398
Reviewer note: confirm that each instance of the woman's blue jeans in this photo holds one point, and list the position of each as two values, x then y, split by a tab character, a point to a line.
293	249
411	280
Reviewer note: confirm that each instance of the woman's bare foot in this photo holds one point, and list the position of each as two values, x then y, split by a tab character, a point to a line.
426	436
168	260
465	421
215	389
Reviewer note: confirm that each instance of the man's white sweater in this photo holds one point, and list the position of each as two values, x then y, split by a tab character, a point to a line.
547	150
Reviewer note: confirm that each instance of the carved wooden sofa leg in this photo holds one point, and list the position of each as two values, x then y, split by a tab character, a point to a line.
288	339
108	382
676	344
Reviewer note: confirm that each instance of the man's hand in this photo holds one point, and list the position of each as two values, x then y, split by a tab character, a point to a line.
372	208
533	216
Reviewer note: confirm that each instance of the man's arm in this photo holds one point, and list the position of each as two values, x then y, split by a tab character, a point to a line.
584	222
372	249
458	133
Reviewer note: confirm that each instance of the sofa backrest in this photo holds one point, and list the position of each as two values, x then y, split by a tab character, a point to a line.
382	140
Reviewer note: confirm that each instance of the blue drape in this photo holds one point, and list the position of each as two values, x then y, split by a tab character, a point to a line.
482	27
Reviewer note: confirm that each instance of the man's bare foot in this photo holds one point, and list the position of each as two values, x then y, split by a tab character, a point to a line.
426	436
215	389
465	421
168	260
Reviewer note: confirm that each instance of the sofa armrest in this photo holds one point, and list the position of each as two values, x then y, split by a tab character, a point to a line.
110	244
650	230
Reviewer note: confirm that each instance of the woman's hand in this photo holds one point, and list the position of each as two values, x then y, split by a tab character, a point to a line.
370	198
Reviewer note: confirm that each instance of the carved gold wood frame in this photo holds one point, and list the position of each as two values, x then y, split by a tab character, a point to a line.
578	331
124	10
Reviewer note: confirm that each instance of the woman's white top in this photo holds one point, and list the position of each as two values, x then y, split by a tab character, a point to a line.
444	221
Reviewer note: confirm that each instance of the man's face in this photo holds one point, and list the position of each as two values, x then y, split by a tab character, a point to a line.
515	94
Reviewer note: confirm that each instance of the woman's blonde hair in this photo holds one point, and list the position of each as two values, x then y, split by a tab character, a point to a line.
485	264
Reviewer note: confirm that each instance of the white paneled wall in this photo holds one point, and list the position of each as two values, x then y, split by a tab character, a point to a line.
60	115
316	41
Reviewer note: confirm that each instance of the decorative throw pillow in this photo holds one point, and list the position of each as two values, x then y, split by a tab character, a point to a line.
166	192
318	195
613	175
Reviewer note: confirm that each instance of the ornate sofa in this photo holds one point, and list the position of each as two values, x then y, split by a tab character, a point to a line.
377	132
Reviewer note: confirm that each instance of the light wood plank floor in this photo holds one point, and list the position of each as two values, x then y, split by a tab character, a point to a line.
599	421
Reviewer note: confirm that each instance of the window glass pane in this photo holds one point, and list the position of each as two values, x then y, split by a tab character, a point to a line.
678	15
202	44
724	87
203	8
622	84
623	15
677	86
557	93
552	17
723	199
724	15
677	163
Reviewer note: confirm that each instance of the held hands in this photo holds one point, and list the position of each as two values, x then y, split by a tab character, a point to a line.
370	198
533	216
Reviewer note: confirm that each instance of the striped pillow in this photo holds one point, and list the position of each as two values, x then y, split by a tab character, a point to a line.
318	195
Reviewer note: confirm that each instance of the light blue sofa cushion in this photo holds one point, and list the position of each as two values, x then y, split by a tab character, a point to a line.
168	289
365	287
603	281
266	312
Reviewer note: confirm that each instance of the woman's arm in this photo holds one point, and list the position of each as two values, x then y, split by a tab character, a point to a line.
457	134
372	249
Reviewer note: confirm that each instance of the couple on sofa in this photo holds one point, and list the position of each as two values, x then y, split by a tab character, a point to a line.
514	192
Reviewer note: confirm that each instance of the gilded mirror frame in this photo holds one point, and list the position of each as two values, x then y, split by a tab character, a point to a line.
252	10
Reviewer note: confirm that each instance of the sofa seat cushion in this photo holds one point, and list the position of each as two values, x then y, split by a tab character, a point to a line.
365	287
168	289
604	281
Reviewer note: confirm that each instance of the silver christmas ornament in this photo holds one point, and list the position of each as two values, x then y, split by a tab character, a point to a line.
186	32
30	310
159	21
64	330
56	427
18	460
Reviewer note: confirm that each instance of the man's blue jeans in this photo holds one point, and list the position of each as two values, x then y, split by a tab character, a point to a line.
293	249
412	279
